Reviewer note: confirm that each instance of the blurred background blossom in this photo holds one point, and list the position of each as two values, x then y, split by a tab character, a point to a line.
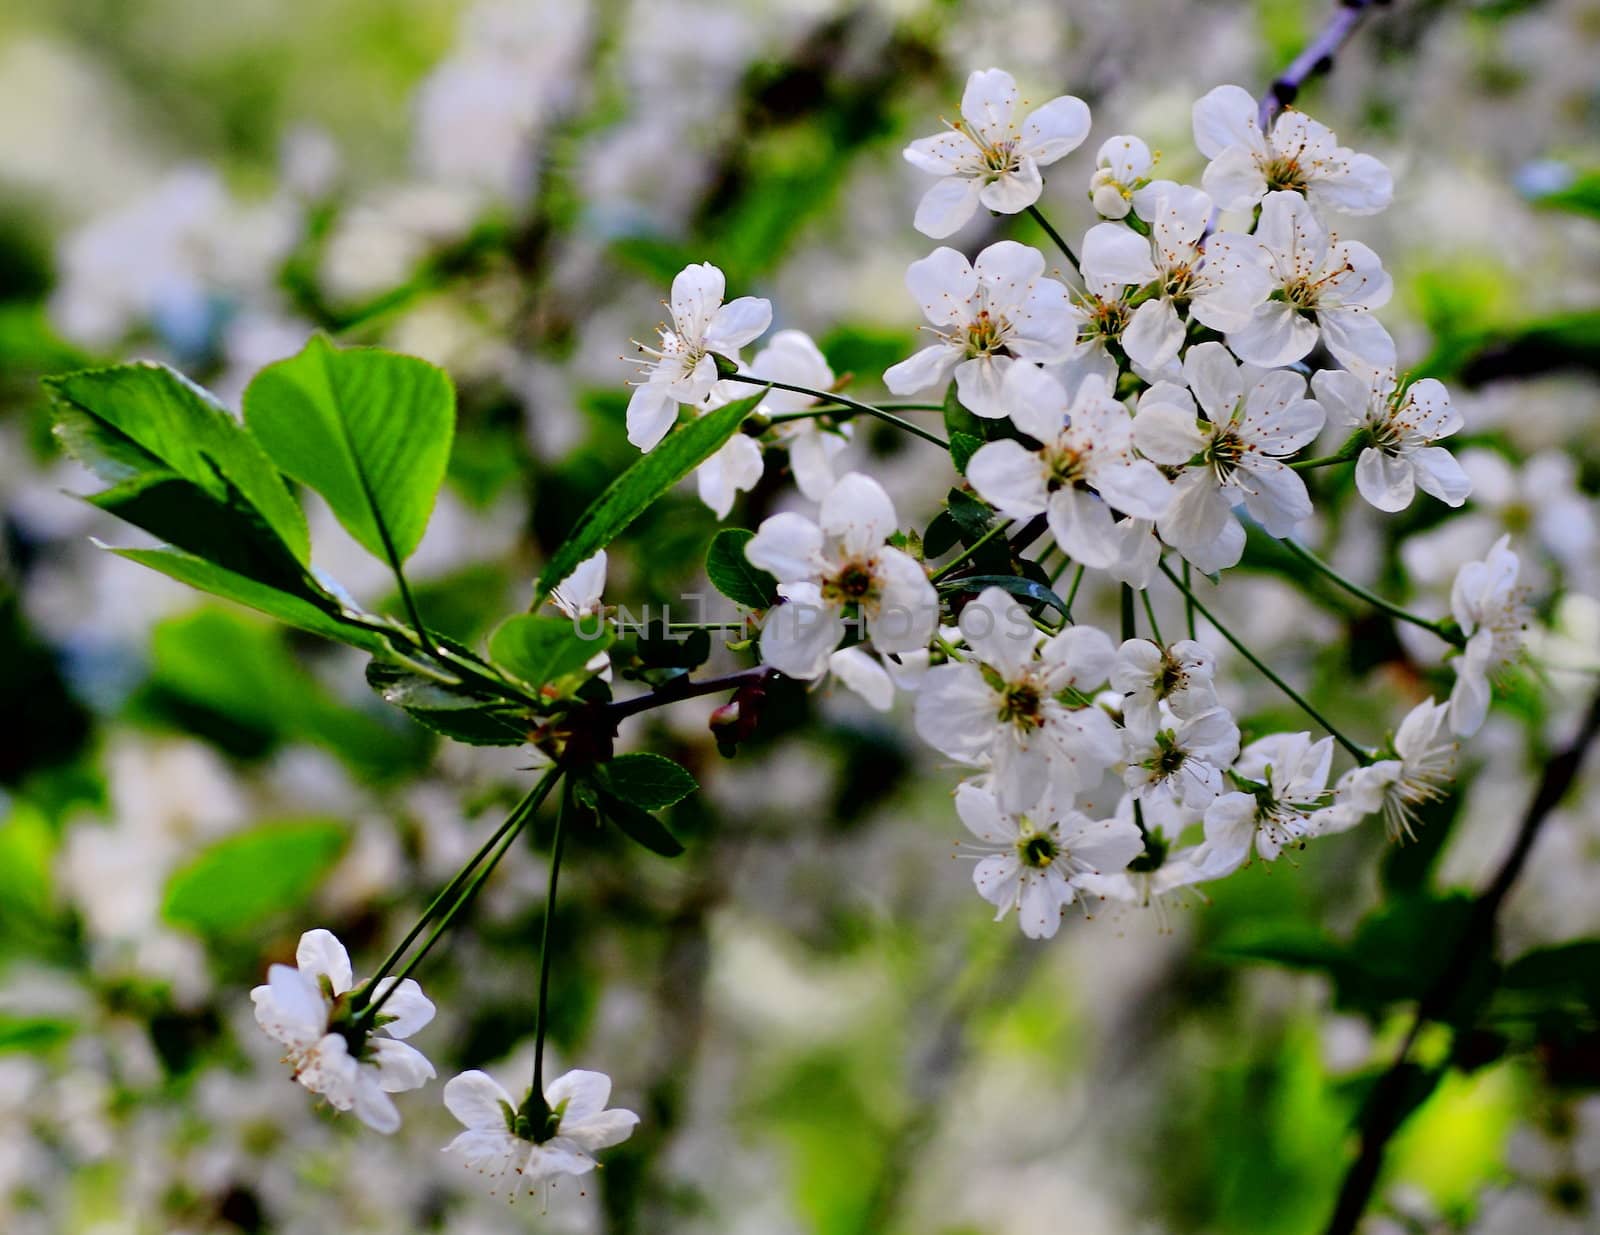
810	1010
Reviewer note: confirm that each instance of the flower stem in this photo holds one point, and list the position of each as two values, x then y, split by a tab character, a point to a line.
1072	592
1188	600
542	1012
506	835
966	554
1150	612
864	408
1054	235
530	802
1362	756
1449	634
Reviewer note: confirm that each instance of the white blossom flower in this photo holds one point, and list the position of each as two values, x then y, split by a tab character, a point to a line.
1254	420
1298	155
1084	467
985	314
501	1145
304	1008
1035	861
991	156
1321	285
1401	427
1419	771
1492	612
578	595
682	369
1291	775
1148	675
734	468
1122	170
1180	760
822	568
1022	702
791	356
1219	285
1162	872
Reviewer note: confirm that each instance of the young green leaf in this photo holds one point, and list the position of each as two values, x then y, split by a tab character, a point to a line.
538	649
147	421
639	825
458	712
289	609
647	781
369	430
679	453
734	575
962	447
244	880
1028	589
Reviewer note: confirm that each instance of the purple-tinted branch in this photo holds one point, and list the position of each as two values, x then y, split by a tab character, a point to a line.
1317	58
673	693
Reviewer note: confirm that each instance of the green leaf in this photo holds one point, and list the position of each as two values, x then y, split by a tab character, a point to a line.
231	534
734	575
639	825
146	419
457	712
958	419
1028	589
647	781
291	610
962	447
246	879
369	430
943	534
679	453
971	514
539	649
34	1034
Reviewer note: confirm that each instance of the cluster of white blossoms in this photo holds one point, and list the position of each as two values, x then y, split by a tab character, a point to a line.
343	1043
1149	402
1139	410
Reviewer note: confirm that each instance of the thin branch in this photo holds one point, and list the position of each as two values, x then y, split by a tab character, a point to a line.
865	409
1387	1107
672	693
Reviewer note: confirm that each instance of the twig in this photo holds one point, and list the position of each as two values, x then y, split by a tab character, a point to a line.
1386	1108
1317	58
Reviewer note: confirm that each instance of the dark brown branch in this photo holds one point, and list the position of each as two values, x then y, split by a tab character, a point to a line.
1387	1107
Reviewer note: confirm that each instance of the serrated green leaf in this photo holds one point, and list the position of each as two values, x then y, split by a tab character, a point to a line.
972	515
538	649
229	533
647	781
291	610
734	575
942	535
142	419
962	447
679	453
640	826
244	880
367	429
457	712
